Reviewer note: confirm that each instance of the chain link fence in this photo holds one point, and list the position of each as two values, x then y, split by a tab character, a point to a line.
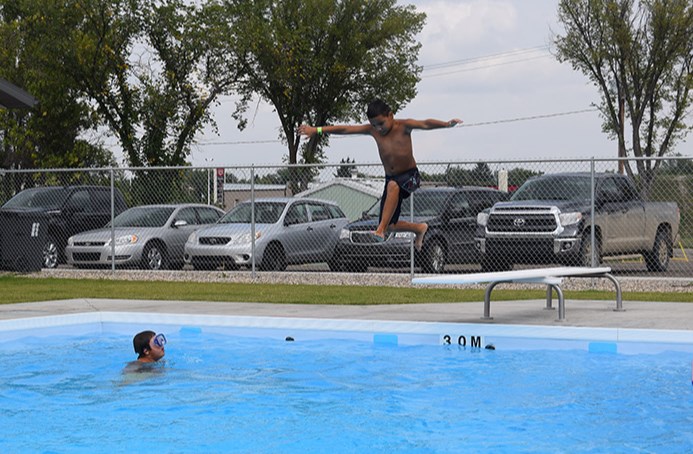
635	216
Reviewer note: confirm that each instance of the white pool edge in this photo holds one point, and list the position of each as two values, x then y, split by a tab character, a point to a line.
621	340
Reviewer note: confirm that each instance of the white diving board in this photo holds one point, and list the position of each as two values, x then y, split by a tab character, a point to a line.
551	277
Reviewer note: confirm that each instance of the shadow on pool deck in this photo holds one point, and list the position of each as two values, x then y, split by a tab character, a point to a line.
637	314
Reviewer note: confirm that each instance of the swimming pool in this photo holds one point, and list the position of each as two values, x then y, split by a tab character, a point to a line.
235	384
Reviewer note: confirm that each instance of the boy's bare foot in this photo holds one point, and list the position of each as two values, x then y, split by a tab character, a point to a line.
418	243
379	236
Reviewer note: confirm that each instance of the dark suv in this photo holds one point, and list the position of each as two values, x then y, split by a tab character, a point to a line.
69	210
450	213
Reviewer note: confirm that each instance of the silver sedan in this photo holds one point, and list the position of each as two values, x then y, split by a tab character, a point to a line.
149	237
286	231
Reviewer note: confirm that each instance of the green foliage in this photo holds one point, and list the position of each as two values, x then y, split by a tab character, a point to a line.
321	61
149	71
18	289
344	171
153	70
32	43
639	54
518	176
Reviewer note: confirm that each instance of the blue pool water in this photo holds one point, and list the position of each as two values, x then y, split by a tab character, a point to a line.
219	393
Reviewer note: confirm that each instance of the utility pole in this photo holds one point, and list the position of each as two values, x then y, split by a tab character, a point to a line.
621	138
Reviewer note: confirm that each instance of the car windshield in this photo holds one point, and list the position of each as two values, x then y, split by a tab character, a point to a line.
425	204
554	188
265	213
47	198
143	217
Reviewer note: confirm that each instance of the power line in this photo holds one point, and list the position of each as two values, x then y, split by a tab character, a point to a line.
463	125
534	117
467	61
476	68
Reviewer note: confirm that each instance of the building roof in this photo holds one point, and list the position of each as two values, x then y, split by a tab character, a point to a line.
370	187
258	187
13	97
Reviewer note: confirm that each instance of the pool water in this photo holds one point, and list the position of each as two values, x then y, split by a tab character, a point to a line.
218	393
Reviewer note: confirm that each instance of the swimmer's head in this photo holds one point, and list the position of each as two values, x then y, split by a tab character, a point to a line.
149	346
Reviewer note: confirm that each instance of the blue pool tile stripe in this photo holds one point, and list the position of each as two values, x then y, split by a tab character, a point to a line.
385	339
602	347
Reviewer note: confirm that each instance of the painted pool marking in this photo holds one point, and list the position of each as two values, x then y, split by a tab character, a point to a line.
461	340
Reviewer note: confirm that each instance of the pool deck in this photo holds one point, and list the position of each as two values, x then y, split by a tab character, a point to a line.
637	314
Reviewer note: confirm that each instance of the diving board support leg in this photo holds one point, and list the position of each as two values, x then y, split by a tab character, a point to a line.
619	295
487	300
549	297
561	301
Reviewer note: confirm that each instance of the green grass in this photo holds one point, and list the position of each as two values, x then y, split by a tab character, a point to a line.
18	289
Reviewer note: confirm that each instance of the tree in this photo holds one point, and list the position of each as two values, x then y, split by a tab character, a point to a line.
319	61
51	135
639	53
344	171
153	69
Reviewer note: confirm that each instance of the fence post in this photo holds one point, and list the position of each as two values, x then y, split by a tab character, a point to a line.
252	220
593	236
112	218
411	245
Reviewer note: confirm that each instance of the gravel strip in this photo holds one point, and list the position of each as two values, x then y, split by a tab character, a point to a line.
628	284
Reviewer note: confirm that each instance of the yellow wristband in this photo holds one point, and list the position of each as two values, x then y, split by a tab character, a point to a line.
319	130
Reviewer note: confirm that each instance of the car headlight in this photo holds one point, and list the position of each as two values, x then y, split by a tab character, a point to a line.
344	234
124	239
71	241
192	239
569	218
482	218
405	235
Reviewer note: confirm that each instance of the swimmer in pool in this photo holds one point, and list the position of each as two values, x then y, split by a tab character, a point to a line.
149	347
402	177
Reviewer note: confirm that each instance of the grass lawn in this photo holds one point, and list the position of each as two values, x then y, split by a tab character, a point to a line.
18	289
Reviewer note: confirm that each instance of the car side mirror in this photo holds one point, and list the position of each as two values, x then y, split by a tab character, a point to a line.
180	223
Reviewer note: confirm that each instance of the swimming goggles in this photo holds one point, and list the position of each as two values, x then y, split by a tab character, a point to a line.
159	340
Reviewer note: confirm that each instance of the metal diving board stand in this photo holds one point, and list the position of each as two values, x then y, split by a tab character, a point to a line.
551	277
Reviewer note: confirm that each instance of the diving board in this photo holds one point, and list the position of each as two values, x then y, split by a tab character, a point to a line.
551	277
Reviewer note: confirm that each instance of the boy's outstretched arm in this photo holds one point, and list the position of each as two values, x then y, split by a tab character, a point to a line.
310	131
431	123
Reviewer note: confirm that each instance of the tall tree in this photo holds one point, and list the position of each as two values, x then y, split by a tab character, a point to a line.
51	135
639	53
321	61
153	69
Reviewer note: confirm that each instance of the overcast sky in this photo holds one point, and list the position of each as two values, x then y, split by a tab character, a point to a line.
488	62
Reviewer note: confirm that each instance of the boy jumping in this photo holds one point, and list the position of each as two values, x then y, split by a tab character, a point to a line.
393	138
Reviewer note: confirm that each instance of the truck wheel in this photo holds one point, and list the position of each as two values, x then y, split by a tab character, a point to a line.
494	263
658	258
585	258
433	257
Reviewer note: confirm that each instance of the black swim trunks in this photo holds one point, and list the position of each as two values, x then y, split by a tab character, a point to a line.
408	182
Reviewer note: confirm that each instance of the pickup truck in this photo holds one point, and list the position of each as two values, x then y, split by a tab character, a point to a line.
548	220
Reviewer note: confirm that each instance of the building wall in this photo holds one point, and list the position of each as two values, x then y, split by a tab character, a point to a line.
233	198
352	202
